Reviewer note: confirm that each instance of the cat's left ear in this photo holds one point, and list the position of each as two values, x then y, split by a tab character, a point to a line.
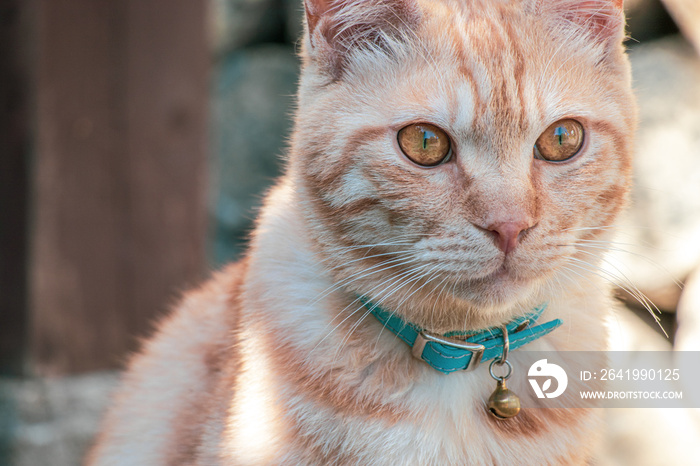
337	28
602	21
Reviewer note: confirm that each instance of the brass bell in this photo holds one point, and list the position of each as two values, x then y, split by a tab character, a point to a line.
503	403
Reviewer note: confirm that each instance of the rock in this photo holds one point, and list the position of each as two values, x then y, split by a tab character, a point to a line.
661	231
253	104
51	421
238	23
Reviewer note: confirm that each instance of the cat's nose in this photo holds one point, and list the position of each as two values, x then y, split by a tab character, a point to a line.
507	234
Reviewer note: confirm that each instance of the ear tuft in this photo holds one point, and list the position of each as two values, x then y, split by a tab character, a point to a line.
335	28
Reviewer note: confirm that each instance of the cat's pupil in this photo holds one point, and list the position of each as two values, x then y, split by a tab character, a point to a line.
560	132
427	135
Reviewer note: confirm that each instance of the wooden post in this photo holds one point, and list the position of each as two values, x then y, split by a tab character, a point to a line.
119	211
15	143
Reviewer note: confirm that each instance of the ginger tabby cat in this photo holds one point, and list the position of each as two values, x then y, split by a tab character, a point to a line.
450	161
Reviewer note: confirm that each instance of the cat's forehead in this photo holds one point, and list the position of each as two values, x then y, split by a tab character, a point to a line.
475	74
468	95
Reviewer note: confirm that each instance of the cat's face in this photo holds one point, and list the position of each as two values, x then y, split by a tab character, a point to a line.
455	155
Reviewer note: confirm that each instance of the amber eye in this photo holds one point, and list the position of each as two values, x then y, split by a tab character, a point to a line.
560	141
425	144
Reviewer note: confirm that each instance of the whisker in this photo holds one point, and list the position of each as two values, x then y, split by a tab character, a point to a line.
398	306
677	282
622	228
633	291
377	268
623	276
342	311
356	300
614	279
617	243
402	280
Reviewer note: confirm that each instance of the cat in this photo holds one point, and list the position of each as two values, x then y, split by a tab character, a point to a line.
451	161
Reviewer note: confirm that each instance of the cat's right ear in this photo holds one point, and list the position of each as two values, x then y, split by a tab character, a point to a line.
315	9
336	28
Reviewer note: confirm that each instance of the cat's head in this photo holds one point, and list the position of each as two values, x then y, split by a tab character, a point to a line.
454	156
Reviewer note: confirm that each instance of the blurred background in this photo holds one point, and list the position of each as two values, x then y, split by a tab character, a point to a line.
136	139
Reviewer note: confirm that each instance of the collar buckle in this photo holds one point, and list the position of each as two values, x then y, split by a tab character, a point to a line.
424	337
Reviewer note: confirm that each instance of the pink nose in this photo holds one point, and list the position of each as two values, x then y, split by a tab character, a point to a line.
507	234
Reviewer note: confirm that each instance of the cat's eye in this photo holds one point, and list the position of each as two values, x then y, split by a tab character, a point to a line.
561	141
424	144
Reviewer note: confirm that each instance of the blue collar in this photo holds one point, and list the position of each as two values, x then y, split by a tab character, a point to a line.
457	351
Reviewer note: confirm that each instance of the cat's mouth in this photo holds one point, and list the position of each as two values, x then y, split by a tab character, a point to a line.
506	269
502	287
505	281
503	272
